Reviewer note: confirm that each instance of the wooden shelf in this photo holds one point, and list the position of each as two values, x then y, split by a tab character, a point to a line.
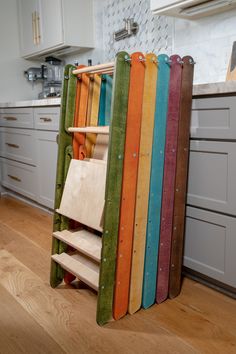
94	130
80	266
84	241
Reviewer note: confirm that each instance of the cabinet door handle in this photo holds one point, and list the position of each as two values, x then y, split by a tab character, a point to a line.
38	35
10	118
45	119
14	178
34	27
12	145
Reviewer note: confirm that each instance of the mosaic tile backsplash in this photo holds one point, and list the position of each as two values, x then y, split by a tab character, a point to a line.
155	32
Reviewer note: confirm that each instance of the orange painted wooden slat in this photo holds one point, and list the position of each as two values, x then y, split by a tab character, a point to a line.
79	151
129	184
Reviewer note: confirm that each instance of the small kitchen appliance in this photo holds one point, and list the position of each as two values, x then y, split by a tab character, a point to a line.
50	74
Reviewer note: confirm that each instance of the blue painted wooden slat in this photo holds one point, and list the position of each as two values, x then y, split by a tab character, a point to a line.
156	181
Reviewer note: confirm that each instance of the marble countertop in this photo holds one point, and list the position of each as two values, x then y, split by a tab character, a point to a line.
217	88
32	103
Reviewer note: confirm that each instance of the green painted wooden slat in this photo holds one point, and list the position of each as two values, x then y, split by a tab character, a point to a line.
113	187
64	144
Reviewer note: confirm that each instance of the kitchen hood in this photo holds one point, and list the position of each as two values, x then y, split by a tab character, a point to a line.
191	9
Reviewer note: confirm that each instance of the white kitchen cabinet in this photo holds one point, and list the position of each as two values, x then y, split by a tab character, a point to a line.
55	26
17	118
28	10
210	244
214	118
51	23
210	238
46	143
212	175
19	177
28	151
46	118
15	143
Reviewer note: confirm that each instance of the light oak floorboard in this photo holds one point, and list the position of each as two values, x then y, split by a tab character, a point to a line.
20	333
33	223
200	320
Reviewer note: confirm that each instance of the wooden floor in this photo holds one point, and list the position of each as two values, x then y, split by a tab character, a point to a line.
35	318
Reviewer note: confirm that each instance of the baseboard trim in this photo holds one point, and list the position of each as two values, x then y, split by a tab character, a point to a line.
17	196
210	282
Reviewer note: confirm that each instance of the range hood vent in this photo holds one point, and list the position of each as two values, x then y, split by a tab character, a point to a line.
205	7
56	52
191	9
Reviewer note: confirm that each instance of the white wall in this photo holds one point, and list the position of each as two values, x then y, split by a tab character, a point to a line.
209	40
13	85
96	54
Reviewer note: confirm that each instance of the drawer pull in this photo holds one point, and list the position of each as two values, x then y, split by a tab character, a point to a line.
12	145
10	118
14	178
45	119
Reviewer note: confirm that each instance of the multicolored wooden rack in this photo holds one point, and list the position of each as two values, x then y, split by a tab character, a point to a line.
121	180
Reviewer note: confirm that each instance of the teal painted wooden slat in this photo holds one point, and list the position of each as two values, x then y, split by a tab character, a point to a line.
102	103
156	181
104	116
113	187
108	99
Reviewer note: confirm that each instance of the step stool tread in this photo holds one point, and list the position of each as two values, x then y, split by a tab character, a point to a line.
82	240
80	266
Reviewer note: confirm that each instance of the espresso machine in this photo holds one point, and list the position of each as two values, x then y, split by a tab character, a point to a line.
50	74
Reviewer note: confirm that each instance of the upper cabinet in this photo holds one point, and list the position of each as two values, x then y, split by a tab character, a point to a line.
28	12
51	24
191	9
55	27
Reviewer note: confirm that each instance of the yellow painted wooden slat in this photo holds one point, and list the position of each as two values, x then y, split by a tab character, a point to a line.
149	99
92	117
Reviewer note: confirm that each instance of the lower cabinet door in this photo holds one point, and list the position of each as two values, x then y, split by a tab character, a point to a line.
46	145
210	244
18	177
212	176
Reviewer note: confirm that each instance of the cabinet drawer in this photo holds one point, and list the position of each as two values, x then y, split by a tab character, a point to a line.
17	117
210	244
47	118
19	177
214	118
18	144
212	176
